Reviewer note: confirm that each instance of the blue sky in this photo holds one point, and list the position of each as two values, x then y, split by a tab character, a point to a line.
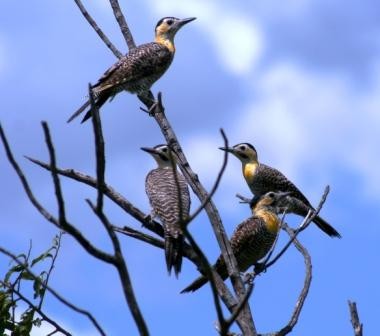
300	82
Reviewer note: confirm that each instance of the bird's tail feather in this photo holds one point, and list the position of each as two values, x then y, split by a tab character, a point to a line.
326	227
300	208
198	283
99	102
173	253
79	111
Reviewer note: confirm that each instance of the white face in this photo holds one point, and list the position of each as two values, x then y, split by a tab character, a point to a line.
162	155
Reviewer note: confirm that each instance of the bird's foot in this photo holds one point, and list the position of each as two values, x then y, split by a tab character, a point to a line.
152	110
260	268
147	219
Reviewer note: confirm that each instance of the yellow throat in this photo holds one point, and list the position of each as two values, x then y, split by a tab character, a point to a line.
164	40
249	171
271	220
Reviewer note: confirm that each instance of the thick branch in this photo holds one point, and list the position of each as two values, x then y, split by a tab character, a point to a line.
122	24
211	210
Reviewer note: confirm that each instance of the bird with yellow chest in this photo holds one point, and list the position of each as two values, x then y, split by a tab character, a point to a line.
139	69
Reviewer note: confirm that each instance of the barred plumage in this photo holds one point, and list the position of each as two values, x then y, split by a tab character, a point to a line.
137	71
262	178
252	239
170	201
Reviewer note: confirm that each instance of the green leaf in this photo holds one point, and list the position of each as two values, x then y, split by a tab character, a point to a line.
42	257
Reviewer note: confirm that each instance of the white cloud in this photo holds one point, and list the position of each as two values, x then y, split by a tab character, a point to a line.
235	35
306	124
2	54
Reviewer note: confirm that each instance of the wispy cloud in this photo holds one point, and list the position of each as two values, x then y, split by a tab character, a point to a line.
2	54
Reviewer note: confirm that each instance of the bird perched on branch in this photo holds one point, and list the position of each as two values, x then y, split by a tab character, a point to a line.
169	197
137	71
262	178
252	239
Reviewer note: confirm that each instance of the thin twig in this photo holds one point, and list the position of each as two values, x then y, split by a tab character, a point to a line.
35	308
56	181
307	282
305	223
355	321
122	269
110	192
123	24
84	242
128	231
54	293
52	264
216	183
99	149
100	33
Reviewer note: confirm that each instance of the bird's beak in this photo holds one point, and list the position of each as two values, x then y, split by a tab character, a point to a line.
149	150
227	149
181	23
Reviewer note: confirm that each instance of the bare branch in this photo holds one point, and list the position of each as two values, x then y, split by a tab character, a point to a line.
111	193
54	293
56	182
66	226
123	24
356	325
99	149
122	269
100	33
305	223
307	282
216	184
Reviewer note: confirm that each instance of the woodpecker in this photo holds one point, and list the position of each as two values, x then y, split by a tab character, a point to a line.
262	178
137	71
170	201
252	239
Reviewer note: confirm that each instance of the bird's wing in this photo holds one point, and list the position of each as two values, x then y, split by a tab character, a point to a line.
163	194
242	242
277	181
139	63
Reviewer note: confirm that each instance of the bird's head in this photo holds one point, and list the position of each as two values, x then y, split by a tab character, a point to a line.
167	27
245	152
161	153
271	201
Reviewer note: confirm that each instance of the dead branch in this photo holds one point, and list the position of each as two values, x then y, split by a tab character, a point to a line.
356	325
86	244
122	24
100	33
120	263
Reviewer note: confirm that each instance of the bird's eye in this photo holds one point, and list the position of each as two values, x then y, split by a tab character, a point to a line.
271	194
169	22
243	148
164	150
